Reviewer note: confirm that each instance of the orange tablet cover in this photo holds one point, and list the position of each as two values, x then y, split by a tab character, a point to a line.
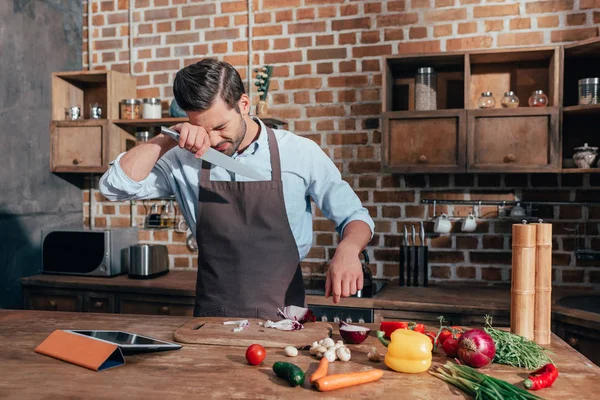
81	350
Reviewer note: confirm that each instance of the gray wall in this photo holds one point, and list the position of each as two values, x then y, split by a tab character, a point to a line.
37	37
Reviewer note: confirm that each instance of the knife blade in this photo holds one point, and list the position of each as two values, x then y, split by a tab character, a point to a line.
219	159
415	255
408	258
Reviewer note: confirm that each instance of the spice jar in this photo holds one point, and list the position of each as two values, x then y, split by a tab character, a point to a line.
538	99
486	100
588	91
72	113
130	109
151	108
142	136
425	90
95	111
585	156
510	100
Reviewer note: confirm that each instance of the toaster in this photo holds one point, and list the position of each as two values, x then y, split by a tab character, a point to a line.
148	261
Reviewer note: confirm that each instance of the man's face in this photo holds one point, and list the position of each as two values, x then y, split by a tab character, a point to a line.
225	127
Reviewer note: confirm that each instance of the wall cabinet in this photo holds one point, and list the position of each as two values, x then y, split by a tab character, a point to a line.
497	139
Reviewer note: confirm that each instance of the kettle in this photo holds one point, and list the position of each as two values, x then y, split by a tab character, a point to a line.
367	290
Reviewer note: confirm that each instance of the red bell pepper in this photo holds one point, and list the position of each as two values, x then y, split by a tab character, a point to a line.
390	326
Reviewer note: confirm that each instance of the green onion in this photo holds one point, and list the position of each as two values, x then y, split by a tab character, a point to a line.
516	350
478	385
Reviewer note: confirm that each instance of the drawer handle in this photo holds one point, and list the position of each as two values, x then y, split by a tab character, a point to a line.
422	159
52	304
98	304
573	341
77	161
164	310
510	158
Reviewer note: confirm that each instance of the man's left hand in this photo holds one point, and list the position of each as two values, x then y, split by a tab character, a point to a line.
344	276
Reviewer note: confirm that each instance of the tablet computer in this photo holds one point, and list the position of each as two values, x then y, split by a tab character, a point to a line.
129	342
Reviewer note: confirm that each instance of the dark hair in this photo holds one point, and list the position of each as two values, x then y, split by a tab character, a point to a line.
197	86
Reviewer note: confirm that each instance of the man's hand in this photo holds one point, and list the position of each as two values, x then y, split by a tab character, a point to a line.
193	138
344	276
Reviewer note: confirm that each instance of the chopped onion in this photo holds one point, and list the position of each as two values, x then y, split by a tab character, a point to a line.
242	324
284	325
296	313
353	334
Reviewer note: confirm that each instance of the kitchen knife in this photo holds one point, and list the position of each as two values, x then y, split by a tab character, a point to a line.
408	258
402	259
415	260
219	159
422	258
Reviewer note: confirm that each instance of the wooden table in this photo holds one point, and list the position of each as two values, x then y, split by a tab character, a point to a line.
221	372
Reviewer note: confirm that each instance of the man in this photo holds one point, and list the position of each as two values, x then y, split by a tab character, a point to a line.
251	235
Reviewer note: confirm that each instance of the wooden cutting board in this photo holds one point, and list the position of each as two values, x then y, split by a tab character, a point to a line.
210	330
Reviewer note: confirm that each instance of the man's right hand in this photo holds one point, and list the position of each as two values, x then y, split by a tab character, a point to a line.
193	138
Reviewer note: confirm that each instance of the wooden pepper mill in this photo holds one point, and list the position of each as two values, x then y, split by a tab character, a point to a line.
543	284
522	305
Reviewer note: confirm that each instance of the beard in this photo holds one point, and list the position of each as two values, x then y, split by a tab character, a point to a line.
239	137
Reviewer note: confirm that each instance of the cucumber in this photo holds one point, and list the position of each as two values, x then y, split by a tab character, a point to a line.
290	372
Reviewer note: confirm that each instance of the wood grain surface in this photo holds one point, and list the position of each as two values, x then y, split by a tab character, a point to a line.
198	371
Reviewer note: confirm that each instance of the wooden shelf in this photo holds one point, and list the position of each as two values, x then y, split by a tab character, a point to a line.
580	171
144	123
582	110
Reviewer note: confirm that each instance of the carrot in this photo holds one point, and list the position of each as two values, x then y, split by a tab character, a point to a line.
338	381
321	370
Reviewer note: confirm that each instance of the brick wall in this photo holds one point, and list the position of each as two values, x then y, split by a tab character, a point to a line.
327	85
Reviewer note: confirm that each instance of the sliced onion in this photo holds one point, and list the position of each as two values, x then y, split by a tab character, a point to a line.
296	313
353	334
284	325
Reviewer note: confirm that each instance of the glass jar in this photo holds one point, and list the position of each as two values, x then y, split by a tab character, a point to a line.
142	136
425	89
72	113
486	100
130	109
95	111
538	99
510	100
151	108
588	91
585	156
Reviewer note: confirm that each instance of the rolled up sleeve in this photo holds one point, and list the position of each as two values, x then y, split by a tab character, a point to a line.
334	196
115	185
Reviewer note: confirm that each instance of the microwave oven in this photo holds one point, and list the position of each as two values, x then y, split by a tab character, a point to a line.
92	252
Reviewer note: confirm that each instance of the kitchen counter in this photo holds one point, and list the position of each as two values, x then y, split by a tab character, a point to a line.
440	299
197	371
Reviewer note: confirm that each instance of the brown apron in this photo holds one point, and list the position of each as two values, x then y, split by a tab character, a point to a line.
248	262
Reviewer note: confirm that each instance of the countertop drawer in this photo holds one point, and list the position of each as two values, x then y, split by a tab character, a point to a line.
99	302
55	301
155	305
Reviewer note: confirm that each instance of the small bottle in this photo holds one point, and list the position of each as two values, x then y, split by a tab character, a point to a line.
486	100
510	100
154	218
167	217
538	99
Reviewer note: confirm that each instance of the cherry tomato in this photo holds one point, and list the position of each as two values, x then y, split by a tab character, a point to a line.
450	346
255	354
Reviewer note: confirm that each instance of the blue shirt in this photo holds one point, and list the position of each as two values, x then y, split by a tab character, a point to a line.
306	172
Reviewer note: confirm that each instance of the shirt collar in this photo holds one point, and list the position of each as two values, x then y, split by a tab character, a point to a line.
261	141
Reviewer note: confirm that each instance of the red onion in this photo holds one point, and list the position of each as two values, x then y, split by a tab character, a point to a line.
296	313
353	334
476	348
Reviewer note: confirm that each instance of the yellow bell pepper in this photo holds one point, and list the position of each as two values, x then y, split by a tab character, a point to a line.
409	352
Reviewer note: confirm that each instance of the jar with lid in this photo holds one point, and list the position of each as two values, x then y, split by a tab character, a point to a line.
167	218
130	109
538	99
425	89
141	137
585	156
154	219
510	100
486	100
588	91
151	108
72	113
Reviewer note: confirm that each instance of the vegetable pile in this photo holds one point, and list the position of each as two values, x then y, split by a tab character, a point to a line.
516	350
478	385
